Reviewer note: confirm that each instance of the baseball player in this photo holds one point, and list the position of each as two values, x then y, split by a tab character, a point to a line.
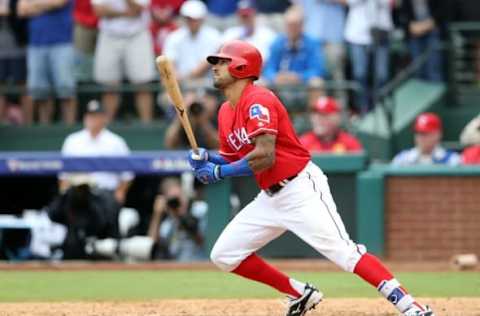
257	138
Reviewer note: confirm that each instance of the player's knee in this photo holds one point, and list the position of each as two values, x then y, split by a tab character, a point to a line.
348	257
220	258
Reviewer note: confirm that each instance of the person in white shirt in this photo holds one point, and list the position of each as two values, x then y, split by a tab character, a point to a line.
188	46
124	49
89	203
250	30
367	31
96	140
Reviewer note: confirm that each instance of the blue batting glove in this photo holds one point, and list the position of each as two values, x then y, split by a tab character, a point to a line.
208	173
197	160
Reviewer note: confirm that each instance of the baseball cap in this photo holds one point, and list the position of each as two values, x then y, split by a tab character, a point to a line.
246	7
427	123
326	105
194	9
94	106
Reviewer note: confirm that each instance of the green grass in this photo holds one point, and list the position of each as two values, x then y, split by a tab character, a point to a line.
141	285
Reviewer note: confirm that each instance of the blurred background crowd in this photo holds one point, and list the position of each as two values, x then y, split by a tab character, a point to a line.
91	62
59	51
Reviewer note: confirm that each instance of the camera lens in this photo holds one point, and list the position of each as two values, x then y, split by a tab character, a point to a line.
196	108
173	202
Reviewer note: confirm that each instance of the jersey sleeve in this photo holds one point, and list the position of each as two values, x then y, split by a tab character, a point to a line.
261	115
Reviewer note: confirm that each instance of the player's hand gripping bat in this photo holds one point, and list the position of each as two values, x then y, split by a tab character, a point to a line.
170	83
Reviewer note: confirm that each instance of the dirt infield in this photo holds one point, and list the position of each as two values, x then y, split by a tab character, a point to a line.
331	307
314	265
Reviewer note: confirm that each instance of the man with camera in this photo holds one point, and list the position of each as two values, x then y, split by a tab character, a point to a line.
89	203
178	224
202	112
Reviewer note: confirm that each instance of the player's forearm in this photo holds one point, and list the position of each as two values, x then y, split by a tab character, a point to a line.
217	159
238	168
260	160
263	156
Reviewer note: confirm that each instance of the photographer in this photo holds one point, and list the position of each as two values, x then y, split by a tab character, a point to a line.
89	203
178	224
202	113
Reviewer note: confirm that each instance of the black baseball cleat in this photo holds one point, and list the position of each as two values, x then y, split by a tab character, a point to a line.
309	299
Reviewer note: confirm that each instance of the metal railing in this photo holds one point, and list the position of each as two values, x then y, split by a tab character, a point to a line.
464	57
295	97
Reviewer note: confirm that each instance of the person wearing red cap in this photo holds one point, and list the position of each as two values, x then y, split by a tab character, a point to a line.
471	137
326	135
250	30
427	150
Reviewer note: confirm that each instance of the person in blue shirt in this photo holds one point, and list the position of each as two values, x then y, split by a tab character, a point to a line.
325	22
428	150
50	56
295	58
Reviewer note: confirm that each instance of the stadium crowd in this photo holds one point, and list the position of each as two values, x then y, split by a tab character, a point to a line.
56	46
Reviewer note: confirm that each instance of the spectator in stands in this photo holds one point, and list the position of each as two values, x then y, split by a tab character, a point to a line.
162	21
424	22
188	46
96	140
178	223
221	13
471	137
273	6
50	57
250	30
427	150
295	58
90	202
84	39
202	112
13	36
124	48
325	22
367	31
326	135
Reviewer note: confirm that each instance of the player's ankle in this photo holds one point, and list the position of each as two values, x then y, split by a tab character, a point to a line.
396	294
298	286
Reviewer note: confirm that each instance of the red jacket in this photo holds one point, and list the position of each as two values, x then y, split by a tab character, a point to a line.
343	143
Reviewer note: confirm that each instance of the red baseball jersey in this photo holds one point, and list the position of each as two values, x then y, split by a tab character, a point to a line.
257	112
343	143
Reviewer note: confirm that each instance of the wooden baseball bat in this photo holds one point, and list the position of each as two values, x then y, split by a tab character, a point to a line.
170	83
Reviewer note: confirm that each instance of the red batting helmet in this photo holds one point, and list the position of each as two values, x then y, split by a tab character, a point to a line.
245	59
326	105
427	123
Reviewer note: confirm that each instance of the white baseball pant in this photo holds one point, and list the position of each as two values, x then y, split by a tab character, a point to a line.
305	207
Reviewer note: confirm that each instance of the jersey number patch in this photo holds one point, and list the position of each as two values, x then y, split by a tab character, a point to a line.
259	112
